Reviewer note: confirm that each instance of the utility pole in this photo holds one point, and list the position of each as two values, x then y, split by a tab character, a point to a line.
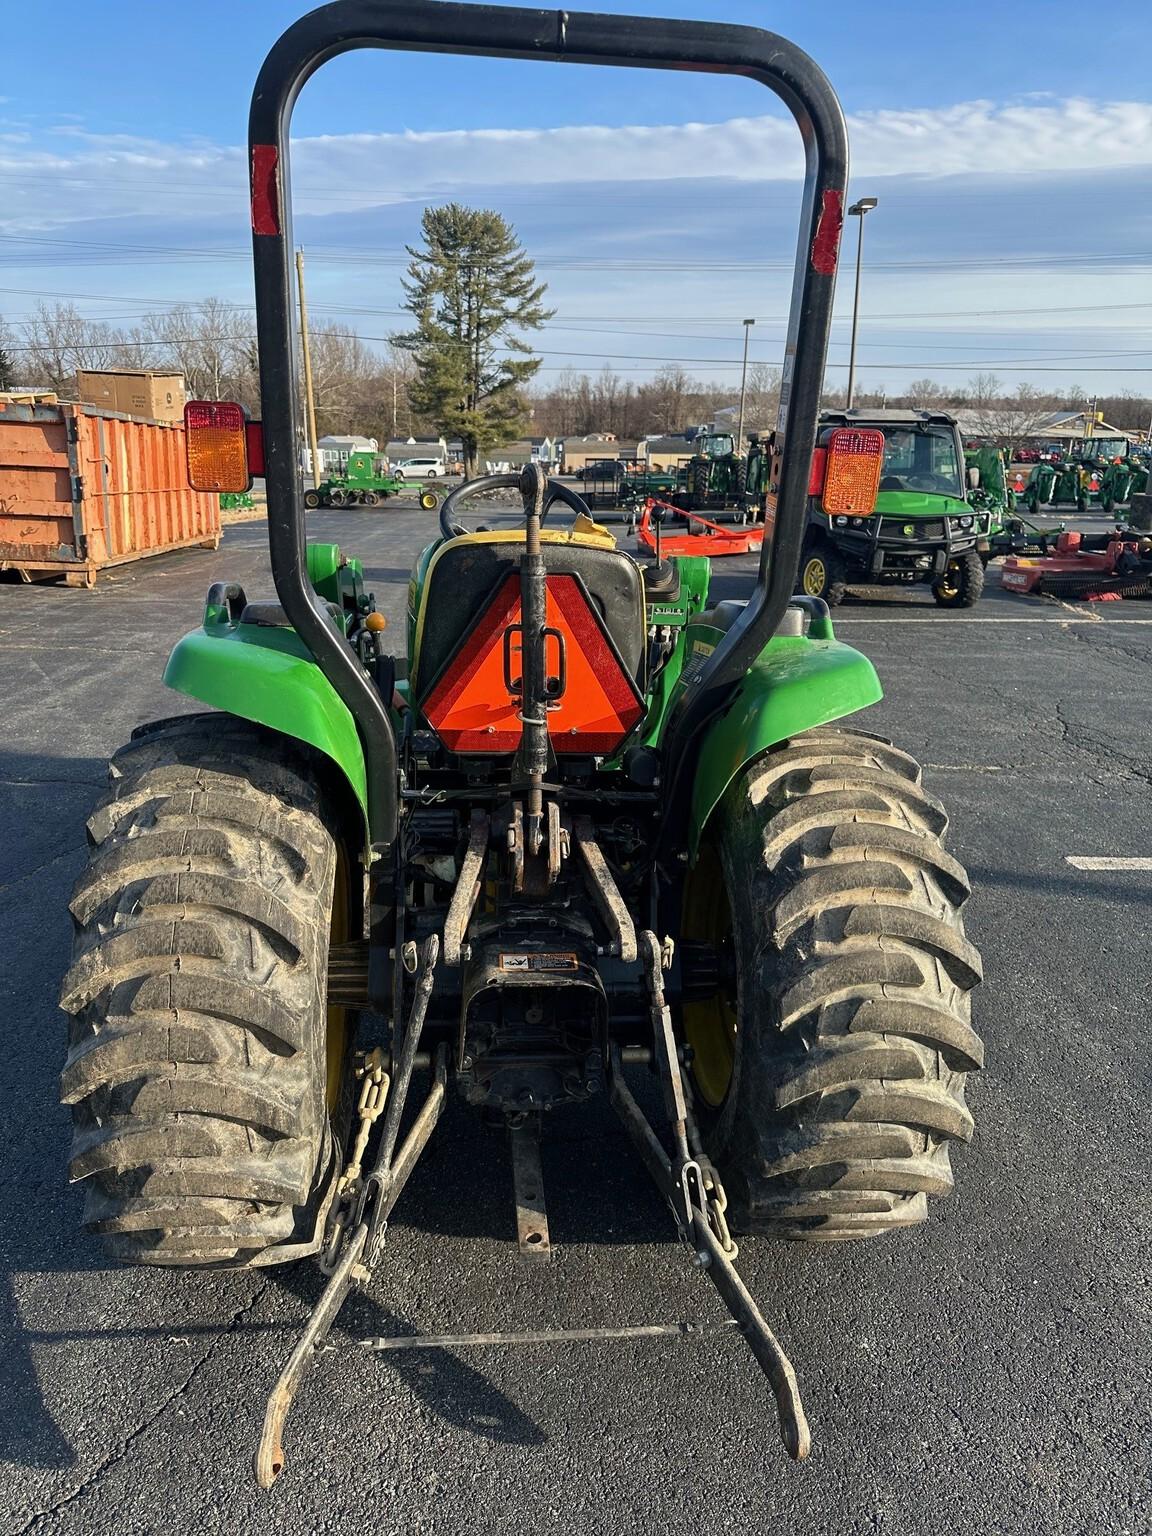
748	324
858	210
309	398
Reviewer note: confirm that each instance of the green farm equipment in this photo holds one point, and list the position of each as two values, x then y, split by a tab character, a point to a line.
364	482
1098	472
596	822
236	502
922	522
716	476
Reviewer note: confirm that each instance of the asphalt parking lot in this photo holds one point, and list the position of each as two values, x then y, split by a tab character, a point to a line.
989	1372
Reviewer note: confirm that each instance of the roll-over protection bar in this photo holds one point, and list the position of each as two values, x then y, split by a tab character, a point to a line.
575	37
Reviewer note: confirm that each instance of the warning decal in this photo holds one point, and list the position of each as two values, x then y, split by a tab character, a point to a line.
546	960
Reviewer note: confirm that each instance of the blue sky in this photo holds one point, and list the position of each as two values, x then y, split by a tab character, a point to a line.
1010	148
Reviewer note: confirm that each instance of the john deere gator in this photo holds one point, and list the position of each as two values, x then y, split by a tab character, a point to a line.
921	528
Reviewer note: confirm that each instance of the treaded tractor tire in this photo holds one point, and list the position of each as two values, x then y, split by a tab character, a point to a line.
853	1034
968	582
701	483
196	1067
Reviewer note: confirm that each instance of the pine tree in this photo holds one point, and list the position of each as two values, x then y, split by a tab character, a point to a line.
472	291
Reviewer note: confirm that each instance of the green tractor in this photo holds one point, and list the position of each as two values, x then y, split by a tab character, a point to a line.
365	483
920	524
1097	472
594	823
716	476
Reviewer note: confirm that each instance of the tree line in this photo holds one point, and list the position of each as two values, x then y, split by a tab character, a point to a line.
466	370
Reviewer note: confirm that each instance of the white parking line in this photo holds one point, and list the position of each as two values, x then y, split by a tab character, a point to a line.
1086	861
935	619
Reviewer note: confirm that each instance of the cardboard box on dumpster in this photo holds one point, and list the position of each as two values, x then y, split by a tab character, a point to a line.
134	392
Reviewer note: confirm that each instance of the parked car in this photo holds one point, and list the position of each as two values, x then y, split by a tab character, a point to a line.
419	469
600	469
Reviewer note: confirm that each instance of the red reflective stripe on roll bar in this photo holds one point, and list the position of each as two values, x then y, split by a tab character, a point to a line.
826	242
265	189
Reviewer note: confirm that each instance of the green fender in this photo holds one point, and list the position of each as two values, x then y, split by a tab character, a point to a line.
268	675
797	683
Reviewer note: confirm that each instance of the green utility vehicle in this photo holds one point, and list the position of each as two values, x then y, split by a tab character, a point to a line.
593	822
365	483
923	527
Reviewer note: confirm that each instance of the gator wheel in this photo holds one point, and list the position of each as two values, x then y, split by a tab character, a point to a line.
962	582
822	574
830	1061
204	1068
429	500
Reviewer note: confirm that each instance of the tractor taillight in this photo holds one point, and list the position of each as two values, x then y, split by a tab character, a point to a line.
216	446
855	458
816	478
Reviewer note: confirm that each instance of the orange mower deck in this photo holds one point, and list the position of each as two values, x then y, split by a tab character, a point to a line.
713	539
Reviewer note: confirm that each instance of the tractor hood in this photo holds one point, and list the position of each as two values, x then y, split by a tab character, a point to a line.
919	504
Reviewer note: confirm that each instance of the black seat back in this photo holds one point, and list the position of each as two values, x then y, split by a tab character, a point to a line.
464	573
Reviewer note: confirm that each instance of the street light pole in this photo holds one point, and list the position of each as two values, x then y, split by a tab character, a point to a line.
858	210
748	324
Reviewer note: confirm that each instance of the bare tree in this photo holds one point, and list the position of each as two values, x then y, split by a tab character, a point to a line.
1006	419
60	340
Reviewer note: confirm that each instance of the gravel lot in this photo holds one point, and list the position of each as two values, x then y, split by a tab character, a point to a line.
986	1373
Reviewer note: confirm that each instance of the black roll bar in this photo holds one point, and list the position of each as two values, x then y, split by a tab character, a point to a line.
443	26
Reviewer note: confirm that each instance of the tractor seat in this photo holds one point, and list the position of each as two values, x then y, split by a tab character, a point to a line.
465	572
725	614
272	616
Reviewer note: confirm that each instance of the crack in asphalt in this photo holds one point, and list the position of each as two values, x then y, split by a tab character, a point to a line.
117	1455
36	783
26	874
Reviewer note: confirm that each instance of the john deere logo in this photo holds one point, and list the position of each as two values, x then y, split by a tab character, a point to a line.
909	529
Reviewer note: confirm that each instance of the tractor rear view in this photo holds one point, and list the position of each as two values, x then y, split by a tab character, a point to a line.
594	822
716	476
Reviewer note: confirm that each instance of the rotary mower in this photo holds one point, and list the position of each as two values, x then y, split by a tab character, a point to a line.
1117	563
593	823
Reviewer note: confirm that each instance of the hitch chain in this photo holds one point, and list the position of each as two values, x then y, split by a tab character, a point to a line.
715	1198
374	1084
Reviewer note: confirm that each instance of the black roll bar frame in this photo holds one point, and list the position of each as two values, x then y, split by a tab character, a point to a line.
445	26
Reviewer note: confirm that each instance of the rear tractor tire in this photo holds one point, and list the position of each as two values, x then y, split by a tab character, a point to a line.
204	1069
830	1063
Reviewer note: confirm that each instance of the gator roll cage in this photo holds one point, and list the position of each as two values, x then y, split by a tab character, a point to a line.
433	26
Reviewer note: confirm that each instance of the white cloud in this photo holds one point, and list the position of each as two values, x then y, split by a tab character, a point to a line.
120	175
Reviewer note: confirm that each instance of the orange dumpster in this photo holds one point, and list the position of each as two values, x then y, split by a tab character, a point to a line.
82	488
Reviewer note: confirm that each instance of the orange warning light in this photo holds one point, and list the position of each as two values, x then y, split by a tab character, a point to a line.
855	458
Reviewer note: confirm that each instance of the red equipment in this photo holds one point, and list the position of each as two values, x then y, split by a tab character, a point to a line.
1123	566
713	540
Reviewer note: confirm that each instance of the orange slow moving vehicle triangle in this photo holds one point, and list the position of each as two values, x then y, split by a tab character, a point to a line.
471	709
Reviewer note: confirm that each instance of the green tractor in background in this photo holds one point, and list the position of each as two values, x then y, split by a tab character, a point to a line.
923	525
1097	472
365	482
594	821
716	476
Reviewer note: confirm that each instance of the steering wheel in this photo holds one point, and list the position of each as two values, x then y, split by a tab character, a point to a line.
526	483
922	482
